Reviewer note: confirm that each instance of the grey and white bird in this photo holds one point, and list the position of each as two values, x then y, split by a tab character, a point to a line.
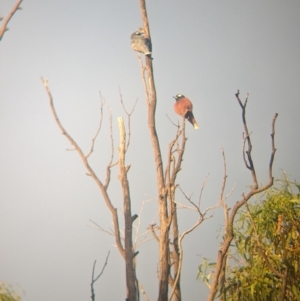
140	43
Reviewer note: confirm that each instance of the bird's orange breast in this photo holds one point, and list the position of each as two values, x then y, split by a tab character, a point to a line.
183	105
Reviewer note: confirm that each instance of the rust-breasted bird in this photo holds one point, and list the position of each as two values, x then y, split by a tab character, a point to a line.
184	107
140	43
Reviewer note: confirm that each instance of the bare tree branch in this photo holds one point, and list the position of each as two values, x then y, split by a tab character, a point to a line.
95	279
273	146
202	189
103	189
143	292
4	28
173	166
255	189
201	218
222	200
177	125
128	117
98	130
249	164
110	164
175	155
110	232
181	237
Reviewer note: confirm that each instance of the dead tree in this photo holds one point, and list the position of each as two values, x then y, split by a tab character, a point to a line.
170	249
169	240
4	28
255	188
127	251
165	216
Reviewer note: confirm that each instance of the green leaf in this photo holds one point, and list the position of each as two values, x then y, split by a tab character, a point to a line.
296	292
273	225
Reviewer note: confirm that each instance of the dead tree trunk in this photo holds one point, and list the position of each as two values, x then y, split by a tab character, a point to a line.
162	199
129	252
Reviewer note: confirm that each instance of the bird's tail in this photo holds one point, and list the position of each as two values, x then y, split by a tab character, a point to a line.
195	124
190	117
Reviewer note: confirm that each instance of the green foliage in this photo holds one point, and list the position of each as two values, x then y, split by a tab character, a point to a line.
267	241
205	271
7	293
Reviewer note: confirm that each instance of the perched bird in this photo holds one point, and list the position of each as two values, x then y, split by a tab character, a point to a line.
184	107
140	43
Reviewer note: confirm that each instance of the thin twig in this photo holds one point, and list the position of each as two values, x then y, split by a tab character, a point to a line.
273	145
98	130
143	292
189	200
95	279
176	125
202	189
110	232
181	237
224	205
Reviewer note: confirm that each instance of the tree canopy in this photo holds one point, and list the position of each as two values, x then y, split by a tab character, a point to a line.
7	293
265	265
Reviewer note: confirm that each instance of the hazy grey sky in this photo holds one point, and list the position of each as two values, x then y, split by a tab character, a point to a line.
205	50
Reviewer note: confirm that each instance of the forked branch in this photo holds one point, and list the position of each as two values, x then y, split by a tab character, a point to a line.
84	158
201	217
255	188
128	118
100	274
